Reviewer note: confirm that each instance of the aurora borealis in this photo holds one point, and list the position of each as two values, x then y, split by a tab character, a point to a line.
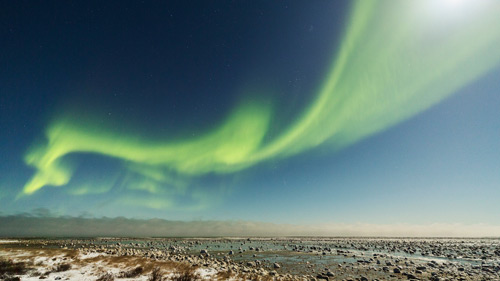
387	64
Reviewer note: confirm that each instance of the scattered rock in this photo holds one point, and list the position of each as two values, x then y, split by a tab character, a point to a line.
322	277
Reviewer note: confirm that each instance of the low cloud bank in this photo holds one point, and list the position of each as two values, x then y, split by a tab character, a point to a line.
27	225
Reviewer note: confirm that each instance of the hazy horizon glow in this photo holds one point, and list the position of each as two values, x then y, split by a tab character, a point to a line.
52	226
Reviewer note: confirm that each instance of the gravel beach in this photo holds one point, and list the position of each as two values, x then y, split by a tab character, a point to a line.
250	259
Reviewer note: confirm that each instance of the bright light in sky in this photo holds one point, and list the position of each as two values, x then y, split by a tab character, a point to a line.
456	10
455	3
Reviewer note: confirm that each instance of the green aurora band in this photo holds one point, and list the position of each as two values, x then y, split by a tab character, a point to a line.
397	58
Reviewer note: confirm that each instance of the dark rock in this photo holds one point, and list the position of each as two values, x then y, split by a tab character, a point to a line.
322	277
411	276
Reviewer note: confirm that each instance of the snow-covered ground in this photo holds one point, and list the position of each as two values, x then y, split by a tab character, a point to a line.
8	241
85	266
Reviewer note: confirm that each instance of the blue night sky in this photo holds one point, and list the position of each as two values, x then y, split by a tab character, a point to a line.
296	112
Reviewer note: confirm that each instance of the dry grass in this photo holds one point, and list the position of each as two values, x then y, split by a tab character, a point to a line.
9	267
131	266
185	274
12	279
106	277
256	277
156	275
62	267
224	275
182	272
131	273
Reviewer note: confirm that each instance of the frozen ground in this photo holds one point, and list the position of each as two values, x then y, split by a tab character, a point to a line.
50	264
259	258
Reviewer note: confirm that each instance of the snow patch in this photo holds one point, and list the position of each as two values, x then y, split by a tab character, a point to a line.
8	241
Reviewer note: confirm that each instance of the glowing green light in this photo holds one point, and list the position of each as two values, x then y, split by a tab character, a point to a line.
223	150
393	62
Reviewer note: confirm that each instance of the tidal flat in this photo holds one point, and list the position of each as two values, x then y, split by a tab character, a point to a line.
298	258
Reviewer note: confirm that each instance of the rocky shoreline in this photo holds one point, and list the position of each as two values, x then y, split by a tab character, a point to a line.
267	258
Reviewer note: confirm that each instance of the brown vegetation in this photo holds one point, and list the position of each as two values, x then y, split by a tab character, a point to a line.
131	273
224	275
62	267
9	267
185	274
106	277
156	275
15	278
